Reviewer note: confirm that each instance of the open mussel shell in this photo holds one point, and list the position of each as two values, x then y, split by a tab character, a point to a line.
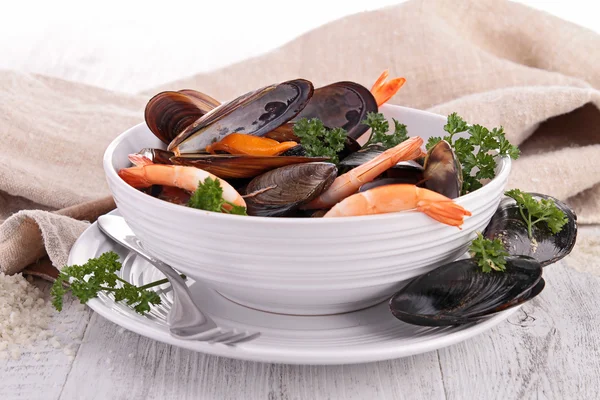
386	181
157	156
254	113
239	165
459	292
341	105
283	133
361	156
168	113
279	192
547	248
409	171
202	100
442	171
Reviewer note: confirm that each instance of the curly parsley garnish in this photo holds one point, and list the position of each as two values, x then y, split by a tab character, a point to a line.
534	211
476	164
379	128
318	141
209	197
102	277
489	254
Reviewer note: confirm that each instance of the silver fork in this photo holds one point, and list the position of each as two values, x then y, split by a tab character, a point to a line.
185	319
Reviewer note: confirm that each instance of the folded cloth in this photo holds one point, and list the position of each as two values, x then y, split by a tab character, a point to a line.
494	62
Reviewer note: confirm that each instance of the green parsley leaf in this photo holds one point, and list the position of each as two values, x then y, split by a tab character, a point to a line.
454	125
379	131
432	141
237	210
534	211
319	141
475	152
489	254
99	275
209	197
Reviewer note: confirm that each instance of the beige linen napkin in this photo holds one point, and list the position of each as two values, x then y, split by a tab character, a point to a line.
493	62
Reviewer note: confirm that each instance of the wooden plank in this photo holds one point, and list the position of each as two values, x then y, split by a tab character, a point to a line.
128	366
42	370
548	350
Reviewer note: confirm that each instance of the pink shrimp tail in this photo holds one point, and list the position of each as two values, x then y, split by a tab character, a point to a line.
447	212
135	176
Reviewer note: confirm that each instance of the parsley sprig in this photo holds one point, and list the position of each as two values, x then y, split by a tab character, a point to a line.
475	153
535	211
99	275
209	197
489	254
318	141
379	128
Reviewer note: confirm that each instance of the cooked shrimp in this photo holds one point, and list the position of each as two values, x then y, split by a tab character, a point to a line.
239	143
401	197
383	91
348	183
146	174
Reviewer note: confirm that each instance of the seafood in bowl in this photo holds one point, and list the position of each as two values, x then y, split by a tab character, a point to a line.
317	239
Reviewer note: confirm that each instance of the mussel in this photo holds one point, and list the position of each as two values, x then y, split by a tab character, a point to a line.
459	292
507	225
202	100
408	171
283	133
239	165
254	113
157	156
281	191
442	171
385	181
168	113
341	104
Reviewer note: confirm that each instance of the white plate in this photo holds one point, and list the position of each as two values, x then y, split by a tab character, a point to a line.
372	334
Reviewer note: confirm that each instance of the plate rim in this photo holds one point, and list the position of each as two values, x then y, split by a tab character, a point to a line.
249	351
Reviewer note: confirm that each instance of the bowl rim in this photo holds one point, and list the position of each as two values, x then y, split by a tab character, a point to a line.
111	174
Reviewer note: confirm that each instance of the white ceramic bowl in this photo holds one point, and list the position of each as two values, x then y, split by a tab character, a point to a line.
300	266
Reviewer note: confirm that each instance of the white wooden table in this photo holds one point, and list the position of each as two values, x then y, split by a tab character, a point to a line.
550	349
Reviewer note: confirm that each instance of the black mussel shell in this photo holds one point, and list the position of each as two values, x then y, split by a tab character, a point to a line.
411	171
157	156
281	191
341	105
228	166
169	113
547	248
459	293
254	113
384	182
361	156
525	297
406	171
442	170
350	146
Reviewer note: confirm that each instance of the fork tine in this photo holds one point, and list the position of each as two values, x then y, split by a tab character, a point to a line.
202	336
243	337
233	338
223	336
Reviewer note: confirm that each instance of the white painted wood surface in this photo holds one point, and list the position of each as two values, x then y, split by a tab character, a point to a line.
548	350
